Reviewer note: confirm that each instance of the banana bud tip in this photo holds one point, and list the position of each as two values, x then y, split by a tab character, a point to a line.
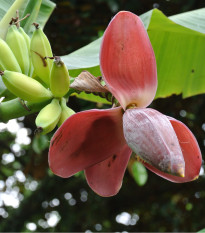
195	178
180	172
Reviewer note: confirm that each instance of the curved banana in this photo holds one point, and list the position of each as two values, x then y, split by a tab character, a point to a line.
18	45
40	48
7	59
48	117
59	78
25	87
66	112
28	42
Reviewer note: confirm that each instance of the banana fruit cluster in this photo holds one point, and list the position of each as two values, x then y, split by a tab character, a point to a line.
31	72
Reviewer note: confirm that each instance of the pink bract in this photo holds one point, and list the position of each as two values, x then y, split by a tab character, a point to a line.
105	178
151	136
85	139
191	153
127	61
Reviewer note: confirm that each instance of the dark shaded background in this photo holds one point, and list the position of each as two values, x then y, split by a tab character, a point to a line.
157	206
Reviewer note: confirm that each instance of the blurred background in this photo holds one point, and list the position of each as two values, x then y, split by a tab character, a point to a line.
33	199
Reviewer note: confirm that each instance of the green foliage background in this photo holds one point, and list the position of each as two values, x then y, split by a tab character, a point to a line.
157	206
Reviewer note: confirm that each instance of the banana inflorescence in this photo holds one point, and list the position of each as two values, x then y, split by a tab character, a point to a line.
30	72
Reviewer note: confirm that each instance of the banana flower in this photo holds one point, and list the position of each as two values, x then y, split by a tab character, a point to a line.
100	142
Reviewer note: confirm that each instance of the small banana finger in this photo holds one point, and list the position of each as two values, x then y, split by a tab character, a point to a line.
40	48
25	87
18	45
28	42
49	116
7	59
59	78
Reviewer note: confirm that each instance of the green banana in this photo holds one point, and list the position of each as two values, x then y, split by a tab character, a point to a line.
66	112
40	48
26	37
28	42
7	59
48	117
18	45
59	78
25	87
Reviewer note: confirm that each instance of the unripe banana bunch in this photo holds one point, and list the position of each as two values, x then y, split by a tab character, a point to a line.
27	55
29	70
15	65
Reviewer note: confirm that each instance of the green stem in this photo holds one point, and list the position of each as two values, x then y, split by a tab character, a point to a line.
14	108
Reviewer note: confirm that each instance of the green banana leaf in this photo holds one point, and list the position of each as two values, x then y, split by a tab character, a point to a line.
179	46
32	8
203	230
192	19
44	9
180	55
92	98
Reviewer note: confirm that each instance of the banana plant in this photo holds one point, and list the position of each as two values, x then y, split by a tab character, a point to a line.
129	81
